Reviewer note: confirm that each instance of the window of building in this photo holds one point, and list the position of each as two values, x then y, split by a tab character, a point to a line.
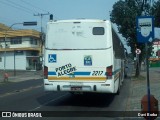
1	43
0	59
34	53
19	52
16	40
33	41
98	31
1	46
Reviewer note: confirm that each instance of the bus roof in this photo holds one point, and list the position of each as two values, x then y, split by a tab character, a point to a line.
79	20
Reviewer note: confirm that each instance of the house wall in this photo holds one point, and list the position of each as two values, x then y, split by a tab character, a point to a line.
25	43
20	61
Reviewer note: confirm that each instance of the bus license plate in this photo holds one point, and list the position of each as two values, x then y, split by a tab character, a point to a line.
76	88
73	84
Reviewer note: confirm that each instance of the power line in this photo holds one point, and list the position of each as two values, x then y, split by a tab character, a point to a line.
23	7
16	7
33	5
36	7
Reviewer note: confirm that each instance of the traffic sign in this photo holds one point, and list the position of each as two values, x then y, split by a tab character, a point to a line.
29	23
145	29
138	51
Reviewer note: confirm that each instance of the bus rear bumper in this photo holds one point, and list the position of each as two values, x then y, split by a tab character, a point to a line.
99	87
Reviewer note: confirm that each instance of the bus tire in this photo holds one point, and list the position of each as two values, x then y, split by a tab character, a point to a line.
118	91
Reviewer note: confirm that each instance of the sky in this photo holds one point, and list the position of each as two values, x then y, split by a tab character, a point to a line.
19	11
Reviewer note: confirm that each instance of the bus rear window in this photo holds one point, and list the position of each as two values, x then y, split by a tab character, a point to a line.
98	31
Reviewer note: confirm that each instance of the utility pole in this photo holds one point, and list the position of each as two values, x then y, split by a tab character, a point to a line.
143	21
42	33
41	15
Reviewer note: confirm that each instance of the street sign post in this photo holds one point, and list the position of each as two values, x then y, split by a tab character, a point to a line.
145	29
145	34
138	51
29	23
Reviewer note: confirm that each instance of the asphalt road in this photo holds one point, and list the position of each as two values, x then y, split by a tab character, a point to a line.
30	96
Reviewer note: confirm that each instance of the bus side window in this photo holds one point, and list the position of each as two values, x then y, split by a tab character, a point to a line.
98	31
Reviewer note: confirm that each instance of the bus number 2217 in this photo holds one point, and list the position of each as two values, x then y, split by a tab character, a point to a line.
97	73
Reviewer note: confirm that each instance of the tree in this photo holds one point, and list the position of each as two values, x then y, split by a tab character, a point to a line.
156	13
124	15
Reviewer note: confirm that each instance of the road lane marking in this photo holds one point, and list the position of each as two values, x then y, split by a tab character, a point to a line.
20	91
49	102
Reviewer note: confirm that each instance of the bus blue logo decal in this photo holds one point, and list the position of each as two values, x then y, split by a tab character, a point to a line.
52	58
88	60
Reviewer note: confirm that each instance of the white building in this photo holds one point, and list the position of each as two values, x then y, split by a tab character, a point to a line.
22	51
156	45
156	48
155	58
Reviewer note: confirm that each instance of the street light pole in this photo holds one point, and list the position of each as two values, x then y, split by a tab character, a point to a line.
5	38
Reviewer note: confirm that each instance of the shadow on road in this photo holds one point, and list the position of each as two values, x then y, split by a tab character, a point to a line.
89	100
85	100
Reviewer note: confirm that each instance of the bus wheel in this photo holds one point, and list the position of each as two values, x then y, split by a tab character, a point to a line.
118	91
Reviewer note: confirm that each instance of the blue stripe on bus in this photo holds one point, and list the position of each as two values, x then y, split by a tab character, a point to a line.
82	73
75	73
51	73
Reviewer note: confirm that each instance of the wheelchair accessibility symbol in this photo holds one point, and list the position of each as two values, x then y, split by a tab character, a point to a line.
52	58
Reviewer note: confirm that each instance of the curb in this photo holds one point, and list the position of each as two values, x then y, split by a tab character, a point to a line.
21	78
128	105
139	89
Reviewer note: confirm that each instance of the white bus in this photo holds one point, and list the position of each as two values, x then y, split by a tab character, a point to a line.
83	55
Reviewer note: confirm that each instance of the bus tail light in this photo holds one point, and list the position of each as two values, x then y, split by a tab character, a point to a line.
45	72
109	72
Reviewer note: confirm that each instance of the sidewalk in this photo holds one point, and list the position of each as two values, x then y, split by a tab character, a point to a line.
21	76
139	89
